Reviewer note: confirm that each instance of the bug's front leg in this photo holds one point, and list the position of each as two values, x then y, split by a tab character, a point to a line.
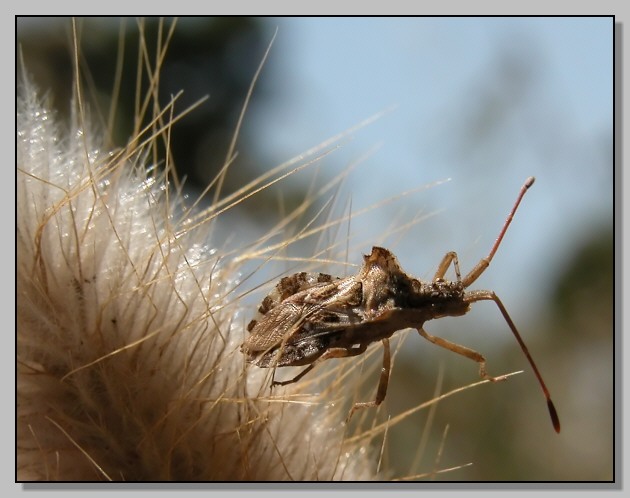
462	350
381	391
445	263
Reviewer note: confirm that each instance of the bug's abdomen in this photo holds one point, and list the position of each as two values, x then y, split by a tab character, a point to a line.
290	355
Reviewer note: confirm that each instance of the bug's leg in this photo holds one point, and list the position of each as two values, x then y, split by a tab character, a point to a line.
328	354
464	351
381	390
294	379
449	257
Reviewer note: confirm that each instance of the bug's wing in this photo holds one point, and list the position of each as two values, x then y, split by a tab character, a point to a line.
276	325
302	314
291	286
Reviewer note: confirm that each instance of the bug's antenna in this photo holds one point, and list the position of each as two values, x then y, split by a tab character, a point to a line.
528	183
480	267
481	295
555	420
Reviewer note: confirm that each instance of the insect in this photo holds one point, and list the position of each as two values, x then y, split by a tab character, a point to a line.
312	317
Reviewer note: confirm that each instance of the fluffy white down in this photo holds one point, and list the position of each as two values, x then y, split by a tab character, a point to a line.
128	332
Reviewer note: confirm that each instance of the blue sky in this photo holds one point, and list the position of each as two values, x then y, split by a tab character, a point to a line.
484	102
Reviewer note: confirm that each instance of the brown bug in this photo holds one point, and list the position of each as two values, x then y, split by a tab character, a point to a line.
311	317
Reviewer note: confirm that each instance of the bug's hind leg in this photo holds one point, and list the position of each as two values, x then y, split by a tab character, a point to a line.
328	354
294	379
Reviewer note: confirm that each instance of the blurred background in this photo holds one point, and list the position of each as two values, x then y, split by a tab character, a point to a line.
480	105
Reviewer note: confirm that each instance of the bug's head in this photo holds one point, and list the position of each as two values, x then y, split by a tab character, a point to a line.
446	298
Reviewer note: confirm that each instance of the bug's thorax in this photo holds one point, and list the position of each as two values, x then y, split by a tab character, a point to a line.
386	287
